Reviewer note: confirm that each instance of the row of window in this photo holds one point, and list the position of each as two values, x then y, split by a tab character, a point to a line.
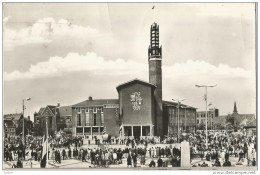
87	110
94	119
204	115
9	129
198	121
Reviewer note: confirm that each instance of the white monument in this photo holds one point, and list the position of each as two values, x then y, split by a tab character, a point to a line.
185	154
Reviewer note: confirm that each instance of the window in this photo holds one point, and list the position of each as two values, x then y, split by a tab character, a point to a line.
79	110
95	119
5	129
102	119
198	121
87	110
95	110
87	119
79	120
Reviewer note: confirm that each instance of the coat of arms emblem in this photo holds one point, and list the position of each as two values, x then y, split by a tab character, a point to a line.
136	100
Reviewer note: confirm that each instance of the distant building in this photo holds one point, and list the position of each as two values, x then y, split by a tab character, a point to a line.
237	120
211	119
187	118
27	125
51	114
232	121
250	128
65	121
9	128
13	117
91	116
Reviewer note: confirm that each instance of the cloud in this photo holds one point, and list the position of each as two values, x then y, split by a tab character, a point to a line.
96	65
44	31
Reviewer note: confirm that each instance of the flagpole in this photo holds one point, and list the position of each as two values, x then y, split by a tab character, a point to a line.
47	142
153	14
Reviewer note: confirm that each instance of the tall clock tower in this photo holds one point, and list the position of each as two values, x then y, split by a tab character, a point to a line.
155	75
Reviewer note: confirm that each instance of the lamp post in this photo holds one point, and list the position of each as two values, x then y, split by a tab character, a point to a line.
27	99
178	120
206	100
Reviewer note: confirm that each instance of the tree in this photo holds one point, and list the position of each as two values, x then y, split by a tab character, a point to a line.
201	126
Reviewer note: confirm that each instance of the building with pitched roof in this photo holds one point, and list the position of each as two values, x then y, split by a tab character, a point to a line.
9	128
91	116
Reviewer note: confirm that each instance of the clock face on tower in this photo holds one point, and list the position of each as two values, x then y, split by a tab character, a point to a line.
136	100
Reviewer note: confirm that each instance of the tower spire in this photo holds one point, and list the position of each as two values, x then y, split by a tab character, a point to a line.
154	51
155	76
235	108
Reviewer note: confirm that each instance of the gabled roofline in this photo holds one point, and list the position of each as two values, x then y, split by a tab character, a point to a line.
175	104
132	81
78	104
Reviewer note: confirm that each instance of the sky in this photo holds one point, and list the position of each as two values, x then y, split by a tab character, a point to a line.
66	52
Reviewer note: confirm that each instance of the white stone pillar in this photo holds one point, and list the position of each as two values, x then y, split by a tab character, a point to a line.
185	154
91	130
83	130
132	127
141	130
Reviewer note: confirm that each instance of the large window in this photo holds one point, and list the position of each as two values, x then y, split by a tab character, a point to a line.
95	120
79	120
102	119
87	119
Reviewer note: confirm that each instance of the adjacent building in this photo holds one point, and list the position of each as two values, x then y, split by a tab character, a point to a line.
50	114
187	118
212	120
9	128
91	116
65	122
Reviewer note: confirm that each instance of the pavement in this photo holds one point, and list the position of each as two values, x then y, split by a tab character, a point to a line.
78	164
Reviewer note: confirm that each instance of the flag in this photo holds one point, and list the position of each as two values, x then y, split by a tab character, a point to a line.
44	152
120	129
104	131
153	7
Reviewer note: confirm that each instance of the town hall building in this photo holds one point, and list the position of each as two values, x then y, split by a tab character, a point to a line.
139	110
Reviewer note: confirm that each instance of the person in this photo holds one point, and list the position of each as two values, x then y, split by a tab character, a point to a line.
69	153
63	153
226	163
19	164
217	163
134	160
160	162
241	155
129	161
208	156
84	156
227	155
204	164
152	163
253	162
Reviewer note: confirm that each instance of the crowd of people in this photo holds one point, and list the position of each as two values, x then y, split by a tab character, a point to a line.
160	151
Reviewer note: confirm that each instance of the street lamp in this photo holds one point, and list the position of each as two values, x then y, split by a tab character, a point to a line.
27	99
178	122
206	100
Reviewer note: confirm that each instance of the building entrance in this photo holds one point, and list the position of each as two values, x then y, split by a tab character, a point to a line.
137	131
